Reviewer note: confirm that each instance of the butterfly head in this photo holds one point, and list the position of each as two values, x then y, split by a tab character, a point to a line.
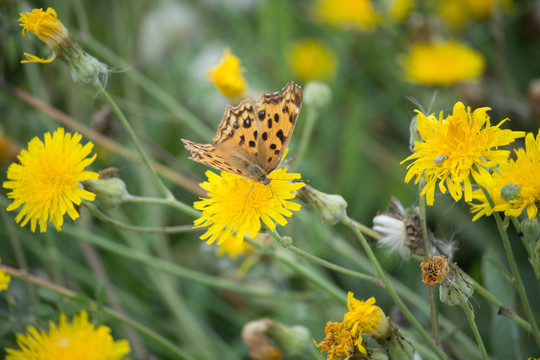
257	173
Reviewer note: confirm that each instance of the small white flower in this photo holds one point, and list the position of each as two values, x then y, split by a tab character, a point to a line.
394	234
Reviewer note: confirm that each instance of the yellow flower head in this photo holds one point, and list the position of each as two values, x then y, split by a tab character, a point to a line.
236	204
69	341
355	14
458	13
4	279
228	78
456	147
339	342
311	60
46	26
523	172
364	317
46	181
442	64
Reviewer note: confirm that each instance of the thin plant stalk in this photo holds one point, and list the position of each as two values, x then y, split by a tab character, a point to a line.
432	306
469	314
391	291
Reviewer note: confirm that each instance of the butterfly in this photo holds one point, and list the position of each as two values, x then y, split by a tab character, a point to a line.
252	137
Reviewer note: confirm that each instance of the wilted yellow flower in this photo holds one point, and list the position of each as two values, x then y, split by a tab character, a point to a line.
456	147
442	64
523	173
339	343
228	78
4	279
434	270
46	182
364	317
353	14
69	341
46	26
235	204
312	60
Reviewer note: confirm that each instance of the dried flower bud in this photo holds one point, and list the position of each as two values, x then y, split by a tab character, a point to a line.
257	342
456	287
331	208
434	270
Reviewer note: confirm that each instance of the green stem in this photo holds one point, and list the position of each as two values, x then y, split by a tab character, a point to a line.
162	265
529	247
311	116
470	317
153	89
125	123
391	291
503	310
502	226
171	202
177	352
432	306
143	229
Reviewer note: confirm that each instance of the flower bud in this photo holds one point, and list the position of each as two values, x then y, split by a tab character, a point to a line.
317	94
110	192
510	191
396	345
456	287
331	208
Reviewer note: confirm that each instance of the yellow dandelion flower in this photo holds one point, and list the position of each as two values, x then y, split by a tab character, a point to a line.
354	14
228	78
458	13
523	174
46	181
68	341
233	249
456	147
236	204
5	279
46	26
312	60
364	317
442	64
339	342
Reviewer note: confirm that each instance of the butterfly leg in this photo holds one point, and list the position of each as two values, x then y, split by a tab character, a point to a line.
274	193
249	192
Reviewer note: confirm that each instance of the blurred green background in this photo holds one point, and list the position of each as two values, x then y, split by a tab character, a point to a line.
358	141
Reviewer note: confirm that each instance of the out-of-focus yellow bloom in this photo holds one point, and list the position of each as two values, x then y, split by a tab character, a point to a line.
523	174
4	279
458	13
69	341
46	26
233	249
351	14
399	9
310	59
228	78
442	64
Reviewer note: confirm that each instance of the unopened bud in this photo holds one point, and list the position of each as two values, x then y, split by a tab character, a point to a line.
510	191
331	208
109	192
317	94
456	287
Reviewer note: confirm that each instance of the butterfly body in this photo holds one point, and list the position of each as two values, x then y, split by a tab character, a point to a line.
252	137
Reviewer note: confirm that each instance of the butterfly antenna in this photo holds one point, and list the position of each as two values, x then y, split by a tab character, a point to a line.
249	192
274	193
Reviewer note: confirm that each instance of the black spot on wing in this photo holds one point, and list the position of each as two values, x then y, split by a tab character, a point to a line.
236	125
251	143
280	136
242	139
264	136
276	117
270	159
269	123
247	123
255	134
273	146
262	114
